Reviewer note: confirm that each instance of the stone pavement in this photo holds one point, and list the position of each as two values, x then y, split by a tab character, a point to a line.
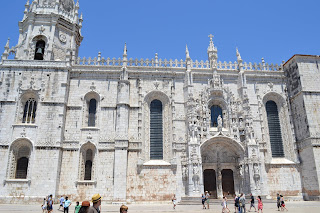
294	207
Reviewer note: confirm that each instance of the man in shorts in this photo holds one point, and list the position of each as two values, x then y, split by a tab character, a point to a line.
207	199
61	202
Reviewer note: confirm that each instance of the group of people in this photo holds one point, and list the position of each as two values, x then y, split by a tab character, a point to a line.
85	206
240	203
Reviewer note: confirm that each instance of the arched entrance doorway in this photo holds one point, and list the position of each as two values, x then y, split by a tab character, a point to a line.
220	162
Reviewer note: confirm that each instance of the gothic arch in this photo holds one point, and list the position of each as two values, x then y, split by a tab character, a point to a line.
29	95
87	118
20	148
234	145
33	44
84	159
220	101
286	131
166	113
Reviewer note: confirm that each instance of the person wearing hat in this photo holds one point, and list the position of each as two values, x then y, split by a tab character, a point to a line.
84	207
96	200
123	209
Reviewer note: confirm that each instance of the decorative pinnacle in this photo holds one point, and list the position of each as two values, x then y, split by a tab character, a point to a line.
7	44
239	59
77	4
28	3
187	53
211	46
81	17
125	50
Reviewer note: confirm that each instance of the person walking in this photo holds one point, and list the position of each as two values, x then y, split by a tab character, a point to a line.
77	207
84	207
174	200
242	202
236	204
203	200
224	205
44	205
278	201
61	202
252	203
260	204
67	204
283	206
49	204
96	200
123	209
207	199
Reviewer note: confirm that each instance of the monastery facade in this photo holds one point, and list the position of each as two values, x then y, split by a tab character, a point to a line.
144	129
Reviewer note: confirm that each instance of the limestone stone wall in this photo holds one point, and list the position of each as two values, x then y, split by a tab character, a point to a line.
149	183
283	179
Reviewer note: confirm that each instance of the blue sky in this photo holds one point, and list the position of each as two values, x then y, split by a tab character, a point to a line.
274	29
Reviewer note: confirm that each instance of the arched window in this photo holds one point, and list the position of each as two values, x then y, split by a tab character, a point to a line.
274	129
215	112
22	168
92	112
22	162
88	165
156	131
29	112
39	50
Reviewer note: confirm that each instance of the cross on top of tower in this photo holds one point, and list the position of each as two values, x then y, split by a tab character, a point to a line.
211	37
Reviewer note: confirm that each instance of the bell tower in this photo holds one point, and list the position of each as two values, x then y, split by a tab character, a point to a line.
49	30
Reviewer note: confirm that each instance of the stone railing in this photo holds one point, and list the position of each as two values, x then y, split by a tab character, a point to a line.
155	62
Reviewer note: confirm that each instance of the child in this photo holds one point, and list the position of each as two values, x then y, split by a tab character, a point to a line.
44	205
203	200
260	204
283	206
174	200
77	207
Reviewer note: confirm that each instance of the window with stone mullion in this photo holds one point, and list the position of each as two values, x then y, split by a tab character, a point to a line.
156	131
274	129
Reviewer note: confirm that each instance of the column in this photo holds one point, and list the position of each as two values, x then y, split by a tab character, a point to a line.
219	184
121	142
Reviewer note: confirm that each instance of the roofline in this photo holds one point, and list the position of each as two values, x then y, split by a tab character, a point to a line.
317	56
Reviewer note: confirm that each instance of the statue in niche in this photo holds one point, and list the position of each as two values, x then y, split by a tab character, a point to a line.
256	175
195	178
255	168
219	123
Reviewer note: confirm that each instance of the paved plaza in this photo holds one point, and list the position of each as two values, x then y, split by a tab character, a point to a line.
295	207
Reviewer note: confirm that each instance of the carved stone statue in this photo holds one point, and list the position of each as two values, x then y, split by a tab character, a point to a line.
219	123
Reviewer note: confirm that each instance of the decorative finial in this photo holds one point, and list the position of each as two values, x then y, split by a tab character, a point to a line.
77	5
187	53
7	44
211	37
239	59
211	45
125	49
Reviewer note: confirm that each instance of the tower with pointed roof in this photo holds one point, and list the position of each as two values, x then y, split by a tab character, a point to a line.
50	30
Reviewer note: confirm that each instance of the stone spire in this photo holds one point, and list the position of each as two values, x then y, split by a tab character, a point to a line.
26	9
124	74
212	53
239	59
188	75
6	50
125	58
188	59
